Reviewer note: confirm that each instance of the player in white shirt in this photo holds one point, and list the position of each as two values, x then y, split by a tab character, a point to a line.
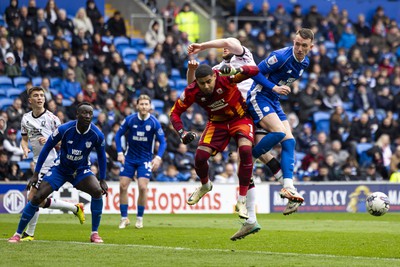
36	126
236	55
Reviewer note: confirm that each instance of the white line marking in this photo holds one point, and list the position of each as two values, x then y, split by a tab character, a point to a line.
220	250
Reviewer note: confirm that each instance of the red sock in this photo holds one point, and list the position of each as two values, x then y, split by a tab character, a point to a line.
201	165
245	169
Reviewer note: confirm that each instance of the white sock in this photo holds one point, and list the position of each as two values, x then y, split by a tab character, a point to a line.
208	184
241	198
124	218
62	205
288	183
251	206
30	230
279	177
139	218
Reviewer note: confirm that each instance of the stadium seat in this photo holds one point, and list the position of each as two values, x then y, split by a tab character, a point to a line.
2	21
181	84
158	105
37	81
5	82
127	62
13	92
55	82
5	103
121	43
54	91
322	121
3	92
175	74
66	102
147	51
348	106
138	43
130	53
171	83
24	165
19	82
363	158
106	39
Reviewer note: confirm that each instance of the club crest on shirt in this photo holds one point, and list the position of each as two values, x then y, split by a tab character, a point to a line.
148	127
219	91
301	72
272	60
88	144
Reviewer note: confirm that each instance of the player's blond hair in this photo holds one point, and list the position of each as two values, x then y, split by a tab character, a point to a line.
143	97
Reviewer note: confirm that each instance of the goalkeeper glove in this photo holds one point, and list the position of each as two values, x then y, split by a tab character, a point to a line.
226	70
187	137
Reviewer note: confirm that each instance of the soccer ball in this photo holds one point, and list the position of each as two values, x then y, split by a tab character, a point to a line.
377	204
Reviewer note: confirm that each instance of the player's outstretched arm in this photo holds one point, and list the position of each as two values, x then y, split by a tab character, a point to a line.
192	66
230	43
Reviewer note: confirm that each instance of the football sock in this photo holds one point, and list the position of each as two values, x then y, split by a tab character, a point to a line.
30	230
62	205
27	214
140	211
96	206
124	210
251	205
287	158
245	169
275	167
201	165
267	143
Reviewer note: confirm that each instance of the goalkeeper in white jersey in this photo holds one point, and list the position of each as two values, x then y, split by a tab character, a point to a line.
36	126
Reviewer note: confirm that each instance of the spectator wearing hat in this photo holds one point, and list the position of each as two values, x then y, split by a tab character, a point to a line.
155	34
371	174
11	68
16	27
12	147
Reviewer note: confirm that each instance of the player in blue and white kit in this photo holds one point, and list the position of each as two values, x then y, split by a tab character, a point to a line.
277	72
78	138
143	130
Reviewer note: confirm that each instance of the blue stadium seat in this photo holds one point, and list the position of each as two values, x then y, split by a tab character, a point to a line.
3	93
138	43
363	158
181	83
322	121
5	103
2	21
37	81
19	82
55	82
54	91
171	83
127	62
106	39
66	102
158	105
5	82
130	53
121	43
24	165
175	74
14	92
348	106
147	51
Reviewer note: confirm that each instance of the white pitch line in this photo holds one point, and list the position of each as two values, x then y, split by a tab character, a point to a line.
221	250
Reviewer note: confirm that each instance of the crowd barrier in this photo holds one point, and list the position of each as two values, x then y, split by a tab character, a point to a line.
170	198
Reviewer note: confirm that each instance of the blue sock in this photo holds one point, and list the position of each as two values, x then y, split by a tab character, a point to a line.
27	214
287	158
96	207
140	211
124	210
267	143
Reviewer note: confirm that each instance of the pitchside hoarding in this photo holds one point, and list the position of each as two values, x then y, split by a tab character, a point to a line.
169	198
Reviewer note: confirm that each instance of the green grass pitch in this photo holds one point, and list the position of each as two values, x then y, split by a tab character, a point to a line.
302	239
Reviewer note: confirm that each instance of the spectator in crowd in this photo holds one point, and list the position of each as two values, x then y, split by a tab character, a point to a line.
339	155
48	65
188	21
228	176
81	21
70	87
14	114
371	174
116	25
94	14
313	155
155	34
12	147
5	166
339	123
16	28
381	154
11	69
64	23
20	54
51	13
11	11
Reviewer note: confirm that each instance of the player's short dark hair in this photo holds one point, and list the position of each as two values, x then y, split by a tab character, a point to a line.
143	97
306	33
83	104
35	88
203	71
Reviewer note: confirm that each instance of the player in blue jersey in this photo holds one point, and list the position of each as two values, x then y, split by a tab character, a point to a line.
277	72
78	138
143	130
